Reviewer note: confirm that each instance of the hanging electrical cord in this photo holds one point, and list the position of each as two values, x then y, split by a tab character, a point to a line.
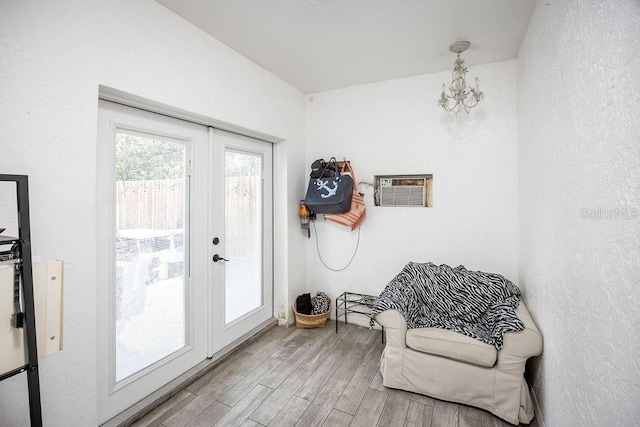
375	191
366	184
320	256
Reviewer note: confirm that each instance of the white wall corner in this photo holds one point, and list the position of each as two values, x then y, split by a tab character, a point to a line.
288	319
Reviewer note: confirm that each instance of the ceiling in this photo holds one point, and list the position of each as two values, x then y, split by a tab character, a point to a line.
318	45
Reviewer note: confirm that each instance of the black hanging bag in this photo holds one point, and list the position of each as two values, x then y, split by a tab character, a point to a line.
330	194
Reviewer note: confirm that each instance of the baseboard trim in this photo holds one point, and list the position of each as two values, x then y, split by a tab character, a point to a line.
536	404
286	322
158	397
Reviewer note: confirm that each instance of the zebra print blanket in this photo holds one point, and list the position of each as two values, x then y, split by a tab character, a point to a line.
477	304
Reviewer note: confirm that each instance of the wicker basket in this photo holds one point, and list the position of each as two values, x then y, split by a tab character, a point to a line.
309	321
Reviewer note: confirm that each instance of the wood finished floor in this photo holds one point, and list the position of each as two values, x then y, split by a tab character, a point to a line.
308	377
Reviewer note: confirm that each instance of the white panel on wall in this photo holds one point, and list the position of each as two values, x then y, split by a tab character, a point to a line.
47	293
48	283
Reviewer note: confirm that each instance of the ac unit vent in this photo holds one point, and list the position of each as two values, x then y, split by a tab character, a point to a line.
403	190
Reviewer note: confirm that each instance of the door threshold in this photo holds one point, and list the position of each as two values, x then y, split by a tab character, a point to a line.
155	399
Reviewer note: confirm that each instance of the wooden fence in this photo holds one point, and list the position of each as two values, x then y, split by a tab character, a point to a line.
159	204
152	204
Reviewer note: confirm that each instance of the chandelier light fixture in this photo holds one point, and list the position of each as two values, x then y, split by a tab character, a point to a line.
458	96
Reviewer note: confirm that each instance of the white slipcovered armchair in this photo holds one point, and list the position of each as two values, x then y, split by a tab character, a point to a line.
450	366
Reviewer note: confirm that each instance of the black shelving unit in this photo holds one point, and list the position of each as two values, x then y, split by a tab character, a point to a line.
353	302
20	254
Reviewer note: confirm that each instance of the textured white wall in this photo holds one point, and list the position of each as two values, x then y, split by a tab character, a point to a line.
579	158
54	57
396	127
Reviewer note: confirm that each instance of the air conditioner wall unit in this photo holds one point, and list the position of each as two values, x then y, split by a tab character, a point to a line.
404	190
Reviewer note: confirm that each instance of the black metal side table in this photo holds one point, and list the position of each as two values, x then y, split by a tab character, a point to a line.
352	302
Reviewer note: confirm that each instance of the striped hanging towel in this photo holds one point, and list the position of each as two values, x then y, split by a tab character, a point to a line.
358	210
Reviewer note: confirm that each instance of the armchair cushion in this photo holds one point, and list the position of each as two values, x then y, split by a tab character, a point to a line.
453	345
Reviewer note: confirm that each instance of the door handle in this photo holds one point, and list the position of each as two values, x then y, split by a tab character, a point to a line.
217	258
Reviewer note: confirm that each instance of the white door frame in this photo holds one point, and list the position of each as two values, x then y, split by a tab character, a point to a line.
114	398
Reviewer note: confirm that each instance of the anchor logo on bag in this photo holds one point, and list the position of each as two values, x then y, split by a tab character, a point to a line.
322	185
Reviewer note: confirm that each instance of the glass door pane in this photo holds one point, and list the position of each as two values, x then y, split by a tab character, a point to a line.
150	293
243	231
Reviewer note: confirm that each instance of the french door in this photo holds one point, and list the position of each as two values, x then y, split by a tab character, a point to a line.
241	247
167	190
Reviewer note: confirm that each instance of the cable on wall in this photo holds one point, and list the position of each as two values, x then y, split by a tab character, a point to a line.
375	191
315	231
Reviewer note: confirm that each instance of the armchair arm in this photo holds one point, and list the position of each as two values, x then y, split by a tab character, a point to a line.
395	327
526	343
